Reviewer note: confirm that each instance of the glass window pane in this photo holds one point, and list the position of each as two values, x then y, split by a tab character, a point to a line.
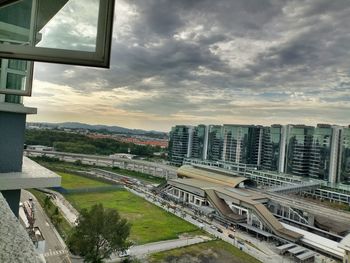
18	64
15	81
15	22
61	25
75	32
13	99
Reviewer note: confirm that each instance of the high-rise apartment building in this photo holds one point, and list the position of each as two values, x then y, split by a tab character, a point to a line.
344	154
313	151
199	142
215	143
321	152
272	147
241	144
298	149
180	143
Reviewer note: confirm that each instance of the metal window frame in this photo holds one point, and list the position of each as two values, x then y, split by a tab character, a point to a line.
99	58
27	91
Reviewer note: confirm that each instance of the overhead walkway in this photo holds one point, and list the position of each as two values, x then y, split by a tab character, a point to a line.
275	225
222	207
296	188
216	194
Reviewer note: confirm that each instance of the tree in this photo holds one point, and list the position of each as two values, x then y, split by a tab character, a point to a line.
98	234
47	202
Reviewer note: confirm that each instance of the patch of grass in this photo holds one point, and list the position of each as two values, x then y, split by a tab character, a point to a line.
51	210
57	165
211	251
72	181
149	222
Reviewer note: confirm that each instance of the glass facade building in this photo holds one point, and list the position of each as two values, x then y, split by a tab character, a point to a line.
321	152
179	144
199	142
241	144
298	148
271	147
215	143
344	167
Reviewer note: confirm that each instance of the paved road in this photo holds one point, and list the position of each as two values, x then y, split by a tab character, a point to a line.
156	169
144	250
55	251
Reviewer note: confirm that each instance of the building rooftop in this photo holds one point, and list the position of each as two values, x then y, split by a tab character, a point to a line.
33	175
189	171
345	243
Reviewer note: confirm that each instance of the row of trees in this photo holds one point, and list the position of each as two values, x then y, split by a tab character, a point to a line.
77	143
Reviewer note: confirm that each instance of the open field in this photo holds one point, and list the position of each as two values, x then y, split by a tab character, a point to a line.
209	252
149	222
71	181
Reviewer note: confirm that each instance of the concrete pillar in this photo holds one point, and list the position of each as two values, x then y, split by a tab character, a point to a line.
12	127
13	198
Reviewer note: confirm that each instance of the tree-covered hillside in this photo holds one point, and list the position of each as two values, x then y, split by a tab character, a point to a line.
77	143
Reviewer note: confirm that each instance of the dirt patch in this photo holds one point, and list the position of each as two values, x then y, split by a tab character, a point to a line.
202	256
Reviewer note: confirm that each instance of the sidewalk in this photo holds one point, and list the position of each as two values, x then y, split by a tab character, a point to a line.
68	211
143	250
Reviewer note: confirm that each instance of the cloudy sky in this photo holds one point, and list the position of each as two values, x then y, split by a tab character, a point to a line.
204	61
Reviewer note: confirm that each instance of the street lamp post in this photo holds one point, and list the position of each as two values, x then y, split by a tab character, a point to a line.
234	235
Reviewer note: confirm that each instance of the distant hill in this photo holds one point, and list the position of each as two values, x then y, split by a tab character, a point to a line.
84	126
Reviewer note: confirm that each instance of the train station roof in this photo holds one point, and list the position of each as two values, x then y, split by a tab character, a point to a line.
189	171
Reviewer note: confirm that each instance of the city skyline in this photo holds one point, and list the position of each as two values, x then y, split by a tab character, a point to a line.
321	152
192	62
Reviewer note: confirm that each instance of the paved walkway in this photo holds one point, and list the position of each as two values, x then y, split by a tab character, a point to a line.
144	250
68	211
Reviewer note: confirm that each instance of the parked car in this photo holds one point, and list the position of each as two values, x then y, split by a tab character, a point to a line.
124	253
219	230
231	236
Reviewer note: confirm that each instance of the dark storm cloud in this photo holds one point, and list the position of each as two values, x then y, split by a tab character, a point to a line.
237	49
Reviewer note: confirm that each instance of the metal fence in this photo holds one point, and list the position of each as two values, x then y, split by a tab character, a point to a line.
63	190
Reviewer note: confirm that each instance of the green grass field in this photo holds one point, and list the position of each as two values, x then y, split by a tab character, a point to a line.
71	181
149	222
212	251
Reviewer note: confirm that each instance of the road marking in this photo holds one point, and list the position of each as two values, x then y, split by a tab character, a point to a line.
55	253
